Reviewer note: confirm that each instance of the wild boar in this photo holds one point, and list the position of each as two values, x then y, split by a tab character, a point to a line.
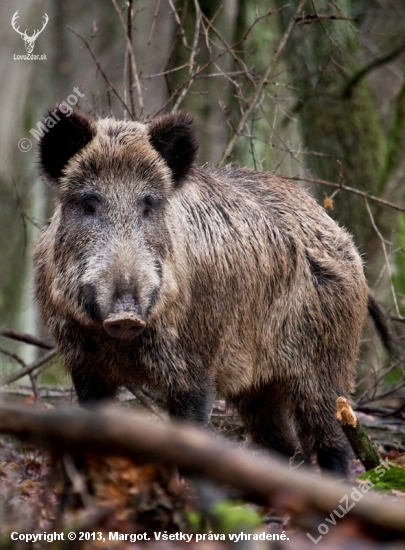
189	280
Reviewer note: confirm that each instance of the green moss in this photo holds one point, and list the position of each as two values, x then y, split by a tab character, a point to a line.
394	376
226	516
393	478
232	517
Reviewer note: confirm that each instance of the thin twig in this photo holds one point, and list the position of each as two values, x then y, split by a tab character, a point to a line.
27	338
373	65
166	72
397	319
363	194
124	81
390	392
387	263
308	18
13	356
179	33
228	49
181	30
152	29
383	412
253	100
77	480
145	400
133	61
34	384
192	56
236	58
370	393
42	361
130	65
103	74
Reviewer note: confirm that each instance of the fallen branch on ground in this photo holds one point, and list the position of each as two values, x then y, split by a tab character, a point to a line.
197	452
361	444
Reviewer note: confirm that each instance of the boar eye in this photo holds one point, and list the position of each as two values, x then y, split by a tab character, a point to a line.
149	203
89	205
89	209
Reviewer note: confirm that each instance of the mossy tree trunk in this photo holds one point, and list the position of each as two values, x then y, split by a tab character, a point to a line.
342	135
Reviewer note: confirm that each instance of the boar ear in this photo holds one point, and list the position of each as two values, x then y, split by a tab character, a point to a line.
64	137
174	139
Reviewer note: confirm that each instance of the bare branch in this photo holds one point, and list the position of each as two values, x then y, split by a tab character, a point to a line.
152	29
144	400
316	18
363	194
227	49
27	338
399	319
253	100
41	362
179	24
192	56
103	74
130	50
12	356
131	67
387	263
371	392
347	91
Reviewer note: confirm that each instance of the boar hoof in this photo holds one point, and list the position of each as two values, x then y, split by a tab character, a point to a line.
124	325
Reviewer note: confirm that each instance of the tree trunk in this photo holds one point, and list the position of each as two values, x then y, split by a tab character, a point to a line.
342	135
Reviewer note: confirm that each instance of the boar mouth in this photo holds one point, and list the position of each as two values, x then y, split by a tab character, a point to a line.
124	325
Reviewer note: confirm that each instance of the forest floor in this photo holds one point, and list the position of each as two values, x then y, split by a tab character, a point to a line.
111	502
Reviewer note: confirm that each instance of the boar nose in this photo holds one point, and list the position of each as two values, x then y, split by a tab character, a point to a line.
124	325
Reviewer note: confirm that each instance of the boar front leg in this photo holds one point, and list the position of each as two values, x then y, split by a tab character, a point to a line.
91	386
191	406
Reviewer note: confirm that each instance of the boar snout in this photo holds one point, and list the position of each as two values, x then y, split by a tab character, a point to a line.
124	325
124	321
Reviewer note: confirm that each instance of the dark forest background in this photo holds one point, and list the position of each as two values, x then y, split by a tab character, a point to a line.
309	89
321	100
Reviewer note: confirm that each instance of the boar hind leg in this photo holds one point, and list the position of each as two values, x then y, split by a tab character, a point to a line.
320	432
266	419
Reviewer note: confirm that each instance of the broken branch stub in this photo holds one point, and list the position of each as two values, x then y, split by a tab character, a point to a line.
361	444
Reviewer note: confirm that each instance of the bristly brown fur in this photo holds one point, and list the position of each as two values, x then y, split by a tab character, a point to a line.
245	284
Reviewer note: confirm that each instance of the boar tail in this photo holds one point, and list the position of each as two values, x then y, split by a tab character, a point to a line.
382	325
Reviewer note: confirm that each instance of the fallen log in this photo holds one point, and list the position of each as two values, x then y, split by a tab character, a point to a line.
197	452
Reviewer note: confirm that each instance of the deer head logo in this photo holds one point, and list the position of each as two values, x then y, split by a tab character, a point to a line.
29	40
